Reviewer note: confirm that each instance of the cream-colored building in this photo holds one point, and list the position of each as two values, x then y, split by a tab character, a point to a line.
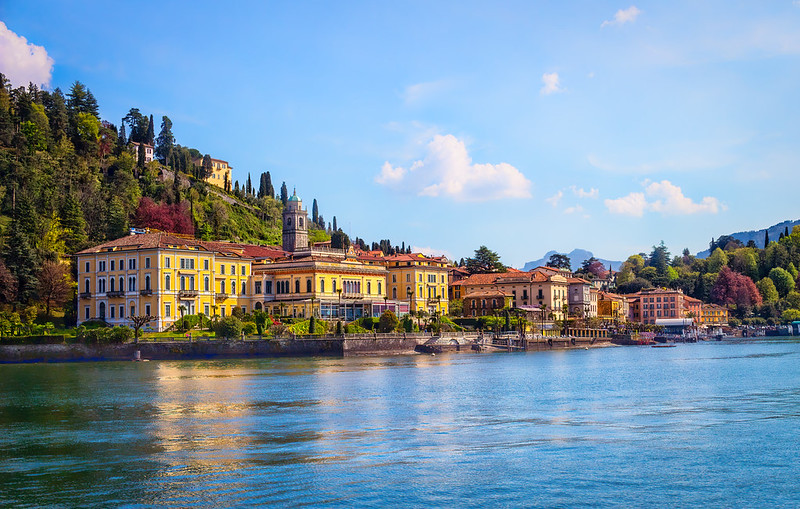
542	289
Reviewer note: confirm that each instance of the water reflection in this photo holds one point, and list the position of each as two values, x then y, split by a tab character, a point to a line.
695	425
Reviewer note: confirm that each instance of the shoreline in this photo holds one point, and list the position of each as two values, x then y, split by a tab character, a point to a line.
264	348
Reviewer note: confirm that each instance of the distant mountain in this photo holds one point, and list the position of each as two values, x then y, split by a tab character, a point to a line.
757	236
576	258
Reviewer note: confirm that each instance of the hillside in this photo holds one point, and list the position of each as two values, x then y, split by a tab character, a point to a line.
757	236
576	258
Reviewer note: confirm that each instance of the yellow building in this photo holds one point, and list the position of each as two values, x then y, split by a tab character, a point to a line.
419	280
168	275
219	171
714	315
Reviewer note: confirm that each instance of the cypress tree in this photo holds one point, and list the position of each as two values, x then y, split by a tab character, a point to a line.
121	139
315	212
140	152
166	140
262	186
786	232
335	228
766	239
151	132
284	194
249	185
270	187
117	219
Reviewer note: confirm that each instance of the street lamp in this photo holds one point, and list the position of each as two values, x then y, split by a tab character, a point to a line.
339	291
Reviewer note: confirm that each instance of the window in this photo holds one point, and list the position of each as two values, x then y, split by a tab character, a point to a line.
102	266
121	311
394	278
111	280
308	286
233	270
121	285
183	263
166	282
168	309
133	310
111	311
132	283
379	288
147	309
205	284
244	270
112	264
222	311
334	286
322	285
101	286
369	287
244	288
408	278
191	283
166	262
205	309
86	311
205	264
222	269
269	288
147	265
257	287
87	267
297	286
300	220
394	293
222	287
102	311
408	292
86	285
132	264
420	278
233	287
147	282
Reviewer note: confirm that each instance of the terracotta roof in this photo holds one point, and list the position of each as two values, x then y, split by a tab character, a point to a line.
577	280
487	293
163	240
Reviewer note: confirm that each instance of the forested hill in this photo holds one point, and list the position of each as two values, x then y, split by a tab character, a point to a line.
69	180
758	237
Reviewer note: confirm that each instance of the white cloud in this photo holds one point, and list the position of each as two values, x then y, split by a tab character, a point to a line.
670	200
580	193
623	16
432	251
390	175
666	198
551	84
23	62
573	210
553	200
632	205
447	170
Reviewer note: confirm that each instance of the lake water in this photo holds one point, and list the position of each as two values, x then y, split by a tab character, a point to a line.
709	424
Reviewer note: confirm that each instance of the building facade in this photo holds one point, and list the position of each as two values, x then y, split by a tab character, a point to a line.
419	280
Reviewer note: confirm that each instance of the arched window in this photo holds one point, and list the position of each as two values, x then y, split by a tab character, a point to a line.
167	282
308	286
133	310
369	287
222	286
191	282
334	286
112	281
121	281
147	282
205	284
379	288
102	310
394	293
322	285
244	288
183	282
297	286
300	222
86	286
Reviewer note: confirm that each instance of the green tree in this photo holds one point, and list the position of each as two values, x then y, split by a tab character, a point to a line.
560	261
21	262
784	282
315	212
166	140
151	134
284	194
270	190
117	220
74	224
340	240
767	290
249	185
717	260
485	261
54	285
388	321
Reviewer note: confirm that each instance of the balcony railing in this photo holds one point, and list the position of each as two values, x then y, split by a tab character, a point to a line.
86	295
146	292
187	294
221	296
352	295
115	294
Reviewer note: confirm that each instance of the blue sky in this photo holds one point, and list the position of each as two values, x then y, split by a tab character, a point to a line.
524	126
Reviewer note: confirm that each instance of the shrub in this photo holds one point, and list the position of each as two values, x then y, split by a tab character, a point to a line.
388	321
249	328
228	327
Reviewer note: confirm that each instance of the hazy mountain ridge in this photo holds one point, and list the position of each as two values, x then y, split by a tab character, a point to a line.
576	258
757	236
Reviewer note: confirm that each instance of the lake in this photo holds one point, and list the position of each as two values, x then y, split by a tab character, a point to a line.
708	424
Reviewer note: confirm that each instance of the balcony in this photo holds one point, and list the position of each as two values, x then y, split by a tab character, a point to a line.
352	295
187	294
86	295
147	291
221	296
115	294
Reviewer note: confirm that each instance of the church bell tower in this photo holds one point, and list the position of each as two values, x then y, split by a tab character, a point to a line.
295	225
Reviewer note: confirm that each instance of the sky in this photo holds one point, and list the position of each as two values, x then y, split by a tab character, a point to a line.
522	126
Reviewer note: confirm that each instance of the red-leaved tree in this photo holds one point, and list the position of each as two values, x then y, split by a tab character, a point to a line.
169	218
736	289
